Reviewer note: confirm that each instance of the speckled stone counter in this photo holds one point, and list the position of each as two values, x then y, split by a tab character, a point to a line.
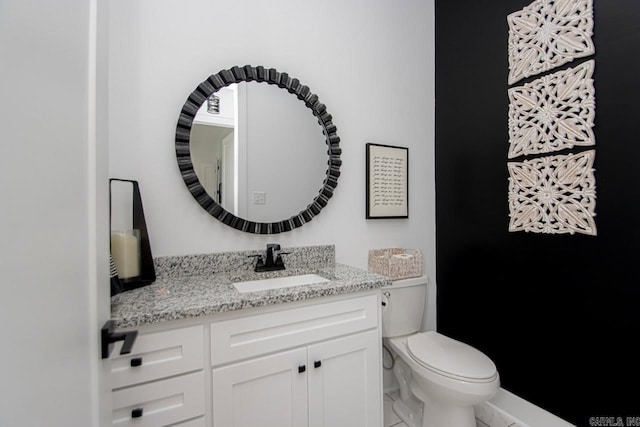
199	285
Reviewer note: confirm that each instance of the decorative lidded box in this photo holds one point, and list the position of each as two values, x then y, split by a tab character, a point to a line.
396	263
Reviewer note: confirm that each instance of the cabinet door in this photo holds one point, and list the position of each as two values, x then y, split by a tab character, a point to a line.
269	391
345	382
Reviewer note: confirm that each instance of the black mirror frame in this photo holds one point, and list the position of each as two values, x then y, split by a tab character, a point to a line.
271	76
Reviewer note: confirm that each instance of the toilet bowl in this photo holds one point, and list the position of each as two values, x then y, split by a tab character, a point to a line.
441	379
449	381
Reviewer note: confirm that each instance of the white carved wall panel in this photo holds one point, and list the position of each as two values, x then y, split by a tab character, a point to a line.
553	194
553	112
547	34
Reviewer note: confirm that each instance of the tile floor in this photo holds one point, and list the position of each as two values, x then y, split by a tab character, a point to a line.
487	415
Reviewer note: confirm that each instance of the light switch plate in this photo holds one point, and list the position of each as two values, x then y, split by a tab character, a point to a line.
259	197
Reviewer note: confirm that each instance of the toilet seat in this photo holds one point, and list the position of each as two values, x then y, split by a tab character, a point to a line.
450	358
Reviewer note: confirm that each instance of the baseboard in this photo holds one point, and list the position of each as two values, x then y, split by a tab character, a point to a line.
523	412
507	409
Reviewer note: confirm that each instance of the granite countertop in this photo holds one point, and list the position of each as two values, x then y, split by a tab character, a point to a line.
181	296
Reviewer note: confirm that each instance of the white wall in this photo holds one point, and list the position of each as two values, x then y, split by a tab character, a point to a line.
54	223
370	62
286	153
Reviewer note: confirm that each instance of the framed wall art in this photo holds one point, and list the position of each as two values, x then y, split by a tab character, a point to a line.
387	181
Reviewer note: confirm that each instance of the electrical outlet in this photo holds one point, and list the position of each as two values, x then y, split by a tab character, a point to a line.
259	197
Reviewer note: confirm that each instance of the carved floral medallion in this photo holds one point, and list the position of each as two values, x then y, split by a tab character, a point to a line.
553	112
553	194
547	34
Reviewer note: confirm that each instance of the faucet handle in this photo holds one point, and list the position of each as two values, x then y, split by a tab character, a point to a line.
279	260
259	261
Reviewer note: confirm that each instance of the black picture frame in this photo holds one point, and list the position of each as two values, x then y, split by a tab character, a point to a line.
387	182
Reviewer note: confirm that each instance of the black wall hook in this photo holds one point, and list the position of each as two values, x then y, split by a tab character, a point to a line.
108	337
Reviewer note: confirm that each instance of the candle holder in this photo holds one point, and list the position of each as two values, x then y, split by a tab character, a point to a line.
116	283
131	248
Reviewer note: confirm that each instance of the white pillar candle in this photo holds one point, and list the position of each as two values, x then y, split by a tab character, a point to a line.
125	249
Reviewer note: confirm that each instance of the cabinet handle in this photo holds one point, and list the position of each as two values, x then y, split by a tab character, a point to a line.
136	361
136	413
317	363
301	368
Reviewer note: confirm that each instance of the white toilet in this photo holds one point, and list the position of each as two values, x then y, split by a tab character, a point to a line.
440	379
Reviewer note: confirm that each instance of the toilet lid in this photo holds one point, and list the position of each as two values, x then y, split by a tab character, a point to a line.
451	357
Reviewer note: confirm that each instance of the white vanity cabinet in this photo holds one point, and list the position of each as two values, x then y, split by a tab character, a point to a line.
316	366
315	363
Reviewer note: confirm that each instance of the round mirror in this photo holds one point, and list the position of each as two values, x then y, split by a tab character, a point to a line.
251	156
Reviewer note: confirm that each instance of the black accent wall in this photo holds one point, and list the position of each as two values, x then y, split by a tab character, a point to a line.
558	314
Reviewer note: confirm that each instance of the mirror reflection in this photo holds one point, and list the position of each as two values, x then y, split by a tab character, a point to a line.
258	151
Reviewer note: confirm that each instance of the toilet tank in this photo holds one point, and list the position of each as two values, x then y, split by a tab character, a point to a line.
403	306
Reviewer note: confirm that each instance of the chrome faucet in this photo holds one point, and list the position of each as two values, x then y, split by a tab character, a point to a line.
272	261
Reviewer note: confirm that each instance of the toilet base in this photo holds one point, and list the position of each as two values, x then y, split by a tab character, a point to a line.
410	417
437	414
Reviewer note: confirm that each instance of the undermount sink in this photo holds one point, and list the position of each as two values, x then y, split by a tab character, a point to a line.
278	282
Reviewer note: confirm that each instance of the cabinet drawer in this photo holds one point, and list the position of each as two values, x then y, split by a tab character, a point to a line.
158	355
198	422
160	403
251	336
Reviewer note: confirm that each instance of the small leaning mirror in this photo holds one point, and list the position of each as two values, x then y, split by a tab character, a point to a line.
251	157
